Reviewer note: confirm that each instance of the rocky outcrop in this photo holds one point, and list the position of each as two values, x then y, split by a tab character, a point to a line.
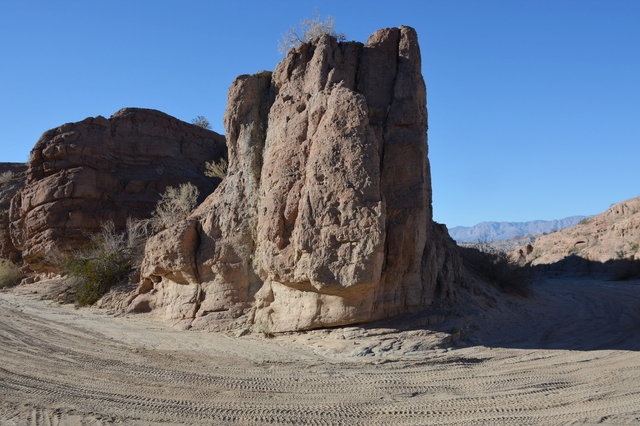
324	217
612	235
12	177
83	174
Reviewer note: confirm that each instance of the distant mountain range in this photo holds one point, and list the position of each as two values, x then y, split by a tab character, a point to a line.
496	231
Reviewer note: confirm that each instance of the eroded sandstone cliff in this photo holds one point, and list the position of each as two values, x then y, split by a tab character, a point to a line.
12	177
325	216
83	174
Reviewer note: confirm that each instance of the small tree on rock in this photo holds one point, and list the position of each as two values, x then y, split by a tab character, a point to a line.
307	30
201	121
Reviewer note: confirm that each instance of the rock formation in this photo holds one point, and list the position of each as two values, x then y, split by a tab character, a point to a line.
83	174
614	234
12	177
325	216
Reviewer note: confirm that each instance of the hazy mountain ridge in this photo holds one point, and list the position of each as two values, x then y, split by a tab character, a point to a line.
496	231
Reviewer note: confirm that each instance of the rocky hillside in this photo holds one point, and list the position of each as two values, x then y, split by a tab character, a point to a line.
12	177
503	246
83	174
324	217
496	231
614	234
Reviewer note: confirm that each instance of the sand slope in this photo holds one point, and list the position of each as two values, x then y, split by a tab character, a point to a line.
571	354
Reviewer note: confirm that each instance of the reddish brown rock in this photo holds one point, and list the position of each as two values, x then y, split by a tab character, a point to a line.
324	217
12	177
83	174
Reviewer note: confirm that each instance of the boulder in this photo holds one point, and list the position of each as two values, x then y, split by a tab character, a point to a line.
324	217
83	174
12	177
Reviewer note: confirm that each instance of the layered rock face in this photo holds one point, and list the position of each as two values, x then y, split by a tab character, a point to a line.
83	174
324	217
614	234
12	177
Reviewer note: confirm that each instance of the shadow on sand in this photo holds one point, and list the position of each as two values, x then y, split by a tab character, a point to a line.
575	304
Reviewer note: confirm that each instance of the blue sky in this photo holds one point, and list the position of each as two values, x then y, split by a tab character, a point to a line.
533	105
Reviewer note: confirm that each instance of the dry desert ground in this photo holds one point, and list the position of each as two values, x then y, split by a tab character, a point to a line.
570	354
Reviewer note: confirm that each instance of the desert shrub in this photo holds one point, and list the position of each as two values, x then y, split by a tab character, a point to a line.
621	254
105	261
6	177
174	205
111	256
307	30
201	121
10	274
137	234
216	169
497	269
263	328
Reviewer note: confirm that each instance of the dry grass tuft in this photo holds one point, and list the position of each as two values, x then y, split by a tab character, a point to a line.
6	177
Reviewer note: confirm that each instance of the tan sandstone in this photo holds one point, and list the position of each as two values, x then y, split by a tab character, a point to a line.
614	234
324	217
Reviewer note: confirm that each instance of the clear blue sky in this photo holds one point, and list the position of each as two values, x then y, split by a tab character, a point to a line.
534	106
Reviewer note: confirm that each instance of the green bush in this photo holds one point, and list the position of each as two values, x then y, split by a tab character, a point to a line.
10	274
110	256
107	260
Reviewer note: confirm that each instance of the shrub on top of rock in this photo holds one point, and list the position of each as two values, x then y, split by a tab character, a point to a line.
201	121
307	30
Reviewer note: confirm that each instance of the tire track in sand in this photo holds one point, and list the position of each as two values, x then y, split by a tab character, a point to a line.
60	366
